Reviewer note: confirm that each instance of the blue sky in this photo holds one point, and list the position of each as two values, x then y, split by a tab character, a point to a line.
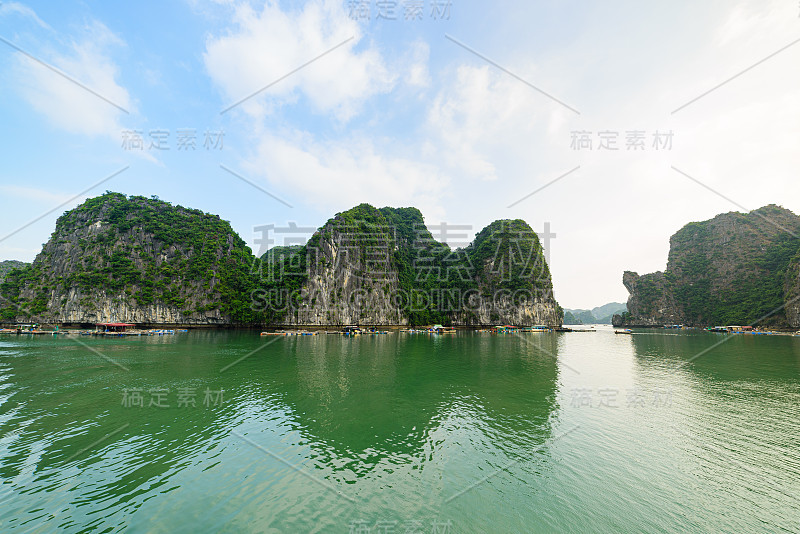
462	115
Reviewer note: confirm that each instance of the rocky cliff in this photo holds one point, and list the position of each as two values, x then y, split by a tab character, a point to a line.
382	266
651	302
140	260
134	259
351	276
733	269
508	279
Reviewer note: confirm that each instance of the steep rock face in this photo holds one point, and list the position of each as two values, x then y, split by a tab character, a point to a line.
731	269
136	260
350	274
505	309
79	306
511	278
652	302
139	260
382	267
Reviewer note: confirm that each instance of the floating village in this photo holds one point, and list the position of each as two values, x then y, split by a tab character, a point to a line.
733	329
117	329
434	329
101	329
131	329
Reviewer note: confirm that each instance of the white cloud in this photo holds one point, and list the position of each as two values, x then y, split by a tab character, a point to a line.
9	8
737	139
297	163
44	196
487	139
755	22
68	105
268	45
416	66
339	175
482	117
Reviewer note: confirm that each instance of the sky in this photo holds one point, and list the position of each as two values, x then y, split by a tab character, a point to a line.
606	126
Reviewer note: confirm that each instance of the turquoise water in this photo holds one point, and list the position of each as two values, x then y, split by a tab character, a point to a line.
580	432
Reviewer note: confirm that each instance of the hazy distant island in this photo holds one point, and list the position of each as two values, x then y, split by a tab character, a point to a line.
143	260
599	315
734	269
7	266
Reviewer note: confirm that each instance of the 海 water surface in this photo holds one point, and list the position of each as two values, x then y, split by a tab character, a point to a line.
228	431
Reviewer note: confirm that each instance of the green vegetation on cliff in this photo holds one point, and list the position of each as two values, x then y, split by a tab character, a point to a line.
755	291
147	251
430	276
8	266
731	269
132	258
507	254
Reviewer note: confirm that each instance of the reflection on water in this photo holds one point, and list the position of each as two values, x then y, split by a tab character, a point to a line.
396	390
397	424
734	424
585	432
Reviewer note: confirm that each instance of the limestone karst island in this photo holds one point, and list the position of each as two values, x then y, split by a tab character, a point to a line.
135	260
144	262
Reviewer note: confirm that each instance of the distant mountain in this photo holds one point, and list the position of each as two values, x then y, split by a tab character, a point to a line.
599	315
9	265
579	317
570	319
605	312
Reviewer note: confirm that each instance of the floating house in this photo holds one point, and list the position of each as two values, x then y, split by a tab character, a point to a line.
116	328
535	328
439	329
505	329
